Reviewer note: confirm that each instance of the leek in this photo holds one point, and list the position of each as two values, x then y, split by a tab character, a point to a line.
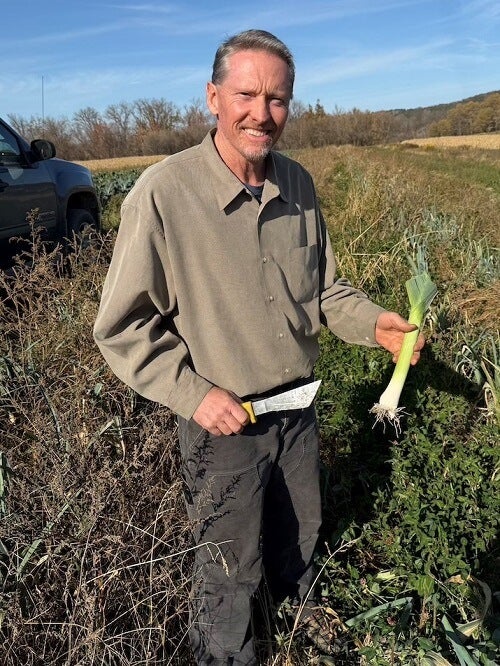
421	290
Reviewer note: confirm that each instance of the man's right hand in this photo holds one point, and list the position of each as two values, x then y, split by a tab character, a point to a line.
220	413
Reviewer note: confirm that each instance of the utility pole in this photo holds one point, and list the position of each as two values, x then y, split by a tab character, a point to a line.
43	109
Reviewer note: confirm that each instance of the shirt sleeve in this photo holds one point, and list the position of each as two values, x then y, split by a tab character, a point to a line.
135	326
345	310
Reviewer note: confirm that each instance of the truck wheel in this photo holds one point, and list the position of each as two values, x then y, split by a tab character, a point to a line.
81	228
79	220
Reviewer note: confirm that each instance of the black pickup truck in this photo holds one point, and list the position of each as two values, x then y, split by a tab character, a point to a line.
34	184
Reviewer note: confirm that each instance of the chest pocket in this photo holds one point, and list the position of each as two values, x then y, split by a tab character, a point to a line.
299	271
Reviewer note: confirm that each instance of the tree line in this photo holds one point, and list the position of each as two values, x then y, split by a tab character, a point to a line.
470	118
159	127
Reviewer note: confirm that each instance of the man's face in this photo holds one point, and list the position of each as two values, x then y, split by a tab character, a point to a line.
251	105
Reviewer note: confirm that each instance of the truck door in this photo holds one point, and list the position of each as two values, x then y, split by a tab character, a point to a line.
24	187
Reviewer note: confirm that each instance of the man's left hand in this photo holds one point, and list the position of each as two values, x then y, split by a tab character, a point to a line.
389	333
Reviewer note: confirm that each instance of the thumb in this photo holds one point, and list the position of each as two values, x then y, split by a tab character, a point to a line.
402	324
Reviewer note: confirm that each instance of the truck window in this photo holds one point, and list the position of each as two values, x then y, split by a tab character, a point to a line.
10	153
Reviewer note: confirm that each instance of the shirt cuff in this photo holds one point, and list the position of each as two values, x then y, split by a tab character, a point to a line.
188	393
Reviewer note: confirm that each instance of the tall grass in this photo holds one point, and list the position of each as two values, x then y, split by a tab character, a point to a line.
95	547
94	541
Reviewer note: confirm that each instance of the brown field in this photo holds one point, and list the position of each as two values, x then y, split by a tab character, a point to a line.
484	141
118	163
487	141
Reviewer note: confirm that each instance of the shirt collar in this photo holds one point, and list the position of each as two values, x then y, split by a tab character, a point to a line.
227	186
276	182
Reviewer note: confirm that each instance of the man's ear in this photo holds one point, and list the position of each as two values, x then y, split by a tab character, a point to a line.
212	98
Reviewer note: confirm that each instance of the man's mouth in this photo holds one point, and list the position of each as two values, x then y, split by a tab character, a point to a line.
256	133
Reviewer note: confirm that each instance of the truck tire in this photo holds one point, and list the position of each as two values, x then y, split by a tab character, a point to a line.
79	220
81	229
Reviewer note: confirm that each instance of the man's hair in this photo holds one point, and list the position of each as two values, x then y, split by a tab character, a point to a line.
250	40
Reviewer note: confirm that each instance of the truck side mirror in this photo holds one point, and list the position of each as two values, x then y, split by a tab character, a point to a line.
42	149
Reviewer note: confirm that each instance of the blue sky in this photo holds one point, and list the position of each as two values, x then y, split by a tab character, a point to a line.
368	54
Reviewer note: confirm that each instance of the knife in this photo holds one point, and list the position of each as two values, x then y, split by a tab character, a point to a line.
297	398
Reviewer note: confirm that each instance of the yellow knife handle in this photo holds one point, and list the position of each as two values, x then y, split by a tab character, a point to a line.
247	406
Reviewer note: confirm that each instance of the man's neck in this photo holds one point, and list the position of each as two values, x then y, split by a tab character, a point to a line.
252	173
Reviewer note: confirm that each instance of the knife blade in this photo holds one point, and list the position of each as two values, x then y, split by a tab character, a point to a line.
297	398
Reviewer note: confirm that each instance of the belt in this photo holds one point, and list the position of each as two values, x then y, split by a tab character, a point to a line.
301	381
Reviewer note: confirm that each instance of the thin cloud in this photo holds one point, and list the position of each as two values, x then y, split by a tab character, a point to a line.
66	35
148	8
482	10
346	66
93	87
228	20
224	21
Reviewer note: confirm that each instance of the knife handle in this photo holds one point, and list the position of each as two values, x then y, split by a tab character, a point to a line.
247	406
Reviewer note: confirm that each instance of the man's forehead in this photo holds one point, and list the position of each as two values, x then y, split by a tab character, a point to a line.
252	55
253	64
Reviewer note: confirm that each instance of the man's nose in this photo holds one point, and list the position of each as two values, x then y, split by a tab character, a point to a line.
260	109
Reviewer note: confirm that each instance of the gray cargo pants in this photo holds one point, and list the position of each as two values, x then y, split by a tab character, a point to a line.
255	505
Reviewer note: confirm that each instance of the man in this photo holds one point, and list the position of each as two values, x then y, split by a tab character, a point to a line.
221	277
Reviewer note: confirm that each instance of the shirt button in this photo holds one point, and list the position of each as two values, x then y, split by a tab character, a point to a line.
264	260
287	370
281	335
271	298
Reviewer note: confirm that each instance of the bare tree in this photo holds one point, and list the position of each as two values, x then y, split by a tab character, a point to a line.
94	137
155	114
120	117
30	129
59	131
195	123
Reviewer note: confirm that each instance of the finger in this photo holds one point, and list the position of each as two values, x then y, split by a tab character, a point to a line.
229	425
416	351
398	323
224	428
240	415
420	343
236	424
406	327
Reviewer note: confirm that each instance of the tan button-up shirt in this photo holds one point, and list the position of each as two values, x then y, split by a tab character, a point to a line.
208	287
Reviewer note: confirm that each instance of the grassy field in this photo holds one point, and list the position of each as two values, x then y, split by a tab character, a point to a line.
94	542
121	163
480	141
489	141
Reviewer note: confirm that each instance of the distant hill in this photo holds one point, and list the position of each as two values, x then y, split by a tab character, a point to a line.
416	121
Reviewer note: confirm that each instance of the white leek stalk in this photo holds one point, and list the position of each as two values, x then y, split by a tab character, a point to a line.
421	290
